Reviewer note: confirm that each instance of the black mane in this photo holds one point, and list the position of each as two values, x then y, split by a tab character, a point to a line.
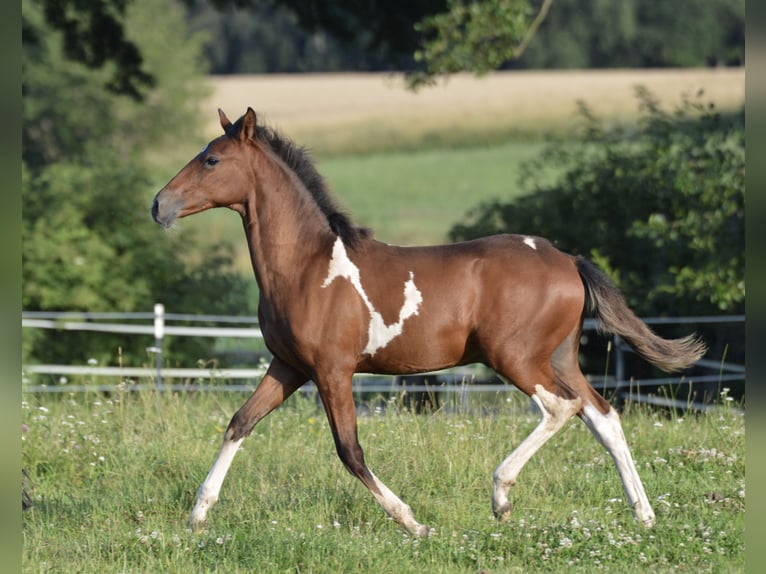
297	159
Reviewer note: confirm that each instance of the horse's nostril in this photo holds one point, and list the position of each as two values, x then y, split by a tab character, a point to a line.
155	209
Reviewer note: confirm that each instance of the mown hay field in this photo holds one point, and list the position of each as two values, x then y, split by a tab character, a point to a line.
348	113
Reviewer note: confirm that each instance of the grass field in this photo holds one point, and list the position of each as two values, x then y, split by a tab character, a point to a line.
114	478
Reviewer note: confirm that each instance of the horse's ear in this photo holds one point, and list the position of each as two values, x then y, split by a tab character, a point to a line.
247	131
225	123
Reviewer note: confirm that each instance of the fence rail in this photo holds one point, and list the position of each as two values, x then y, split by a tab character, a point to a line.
452	380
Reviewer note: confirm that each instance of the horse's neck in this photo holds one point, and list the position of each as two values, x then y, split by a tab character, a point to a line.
283	225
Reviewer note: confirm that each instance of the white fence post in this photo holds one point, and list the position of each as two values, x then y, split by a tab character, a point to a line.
159	334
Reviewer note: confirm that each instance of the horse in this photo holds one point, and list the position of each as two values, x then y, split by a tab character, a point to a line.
333	301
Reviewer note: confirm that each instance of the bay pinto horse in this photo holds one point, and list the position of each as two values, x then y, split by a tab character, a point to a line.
334	302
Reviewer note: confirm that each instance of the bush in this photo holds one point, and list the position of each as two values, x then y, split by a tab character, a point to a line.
659	206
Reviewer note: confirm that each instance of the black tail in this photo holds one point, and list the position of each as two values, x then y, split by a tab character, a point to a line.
614	316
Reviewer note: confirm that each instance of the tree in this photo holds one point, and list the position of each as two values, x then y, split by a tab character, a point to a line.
475	36
427	37
88	242
638	33
93	34
266	38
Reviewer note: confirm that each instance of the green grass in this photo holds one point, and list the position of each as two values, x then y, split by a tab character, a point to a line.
406	198
116	476
413	198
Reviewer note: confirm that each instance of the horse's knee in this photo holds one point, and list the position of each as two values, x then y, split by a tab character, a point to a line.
352	457
239	427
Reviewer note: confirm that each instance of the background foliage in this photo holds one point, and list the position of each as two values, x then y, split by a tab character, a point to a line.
660	205
431	36
440	37
88	241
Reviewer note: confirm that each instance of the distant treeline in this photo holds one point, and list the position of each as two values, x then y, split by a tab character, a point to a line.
278	37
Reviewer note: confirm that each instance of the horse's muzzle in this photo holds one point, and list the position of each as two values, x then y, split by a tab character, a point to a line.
165	219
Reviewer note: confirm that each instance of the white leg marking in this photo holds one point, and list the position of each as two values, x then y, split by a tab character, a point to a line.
608	431
556	411
208	492
531	242
397	509
378	333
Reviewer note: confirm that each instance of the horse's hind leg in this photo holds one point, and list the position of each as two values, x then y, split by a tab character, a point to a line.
279	382
339	405
608	431
604	422
557	405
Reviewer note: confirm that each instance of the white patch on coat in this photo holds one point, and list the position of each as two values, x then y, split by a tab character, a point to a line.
379	334
531	242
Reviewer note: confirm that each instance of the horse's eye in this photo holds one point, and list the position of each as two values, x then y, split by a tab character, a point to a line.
211	161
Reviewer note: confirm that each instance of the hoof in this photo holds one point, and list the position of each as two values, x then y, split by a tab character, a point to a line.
196	523
644	515
503	512
424	531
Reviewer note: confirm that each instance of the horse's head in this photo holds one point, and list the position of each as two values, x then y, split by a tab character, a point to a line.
219	176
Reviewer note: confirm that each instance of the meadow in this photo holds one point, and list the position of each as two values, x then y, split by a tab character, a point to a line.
115	476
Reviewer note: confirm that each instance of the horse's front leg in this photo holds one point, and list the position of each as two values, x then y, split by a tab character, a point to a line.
279	382
338	401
